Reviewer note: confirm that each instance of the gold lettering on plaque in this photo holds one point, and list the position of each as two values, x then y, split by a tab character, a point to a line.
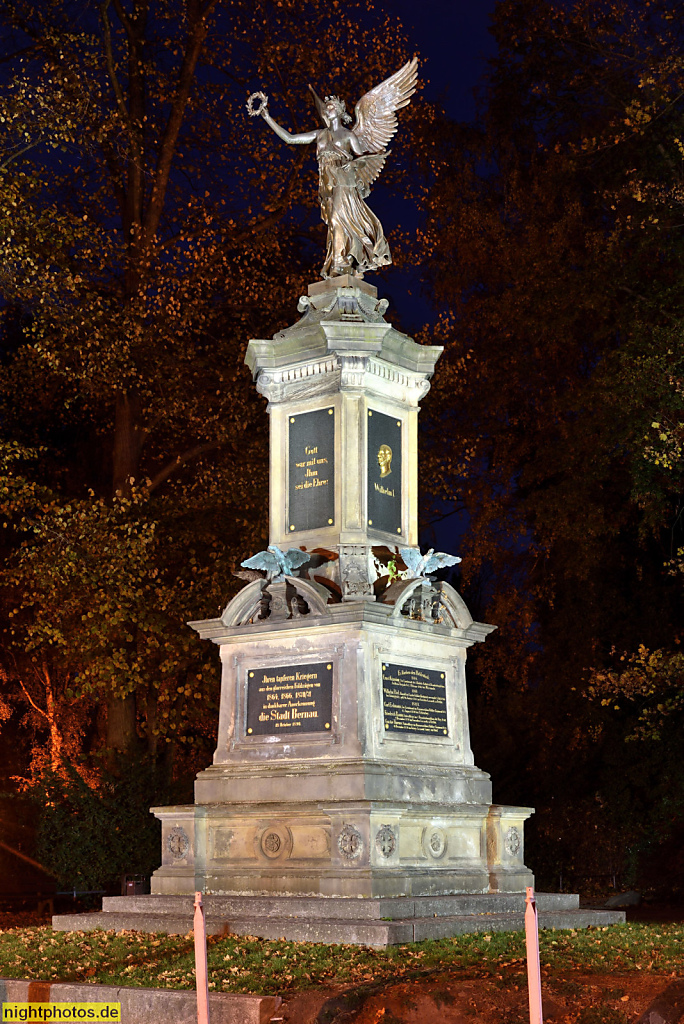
385	459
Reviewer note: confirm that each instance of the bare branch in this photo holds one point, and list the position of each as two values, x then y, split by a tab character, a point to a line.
173	125
31	701
29	860
181	460
109	56
15	156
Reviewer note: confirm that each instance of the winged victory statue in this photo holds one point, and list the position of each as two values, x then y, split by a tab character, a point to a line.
349	161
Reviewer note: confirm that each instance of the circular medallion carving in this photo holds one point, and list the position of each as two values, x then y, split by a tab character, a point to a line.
349	842
274	841
177	842
386	841
271	842
435	842
512	841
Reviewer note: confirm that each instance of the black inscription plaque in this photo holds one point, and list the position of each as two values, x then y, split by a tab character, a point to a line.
311	470
384	472
288	699
414	700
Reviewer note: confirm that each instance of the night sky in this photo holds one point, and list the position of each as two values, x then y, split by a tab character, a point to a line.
453	40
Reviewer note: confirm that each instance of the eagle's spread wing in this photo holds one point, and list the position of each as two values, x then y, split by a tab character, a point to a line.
265	560
440	560
376	120
412	559
367	169
294	557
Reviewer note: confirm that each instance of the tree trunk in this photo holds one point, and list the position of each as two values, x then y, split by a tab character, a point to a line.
121	731
128	442
51	712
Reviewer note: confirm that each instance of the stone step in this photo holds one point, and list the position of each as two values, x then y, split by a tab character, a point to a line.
394	908
361	931
144	1005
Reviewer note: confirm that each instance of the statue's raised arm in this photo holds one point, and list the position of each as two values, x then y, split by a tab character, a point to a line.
301	139
349	161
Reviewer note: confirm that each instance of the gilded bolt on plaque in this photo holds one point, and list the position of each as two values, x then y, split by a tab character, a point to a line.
311	470
414	700
289	699
384	473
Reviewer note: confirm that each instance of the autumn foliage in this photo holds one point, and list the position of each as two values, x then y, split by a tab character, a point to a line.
148	230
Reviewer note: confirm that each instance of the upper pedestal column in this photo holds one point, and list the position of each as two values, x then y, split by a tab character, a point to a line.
343	388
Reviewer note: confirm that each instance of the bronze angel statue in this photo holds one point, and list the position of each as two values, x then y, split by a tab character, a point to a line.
349	161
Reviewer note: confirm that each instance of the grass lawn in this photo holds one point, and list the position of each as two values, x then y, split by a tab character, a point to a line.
247	964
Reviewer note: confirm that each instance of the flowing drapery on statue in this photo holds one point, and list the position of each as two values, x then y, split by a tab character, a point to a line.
349	161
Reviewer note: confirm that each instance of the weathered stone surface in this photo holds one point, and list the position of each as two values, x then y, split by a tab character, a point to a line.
373	922
146	1005
317	906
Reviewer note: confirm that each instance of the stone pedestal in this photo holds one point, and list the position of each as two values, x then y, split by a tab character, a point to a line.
343	766
343	776
370	922
356	808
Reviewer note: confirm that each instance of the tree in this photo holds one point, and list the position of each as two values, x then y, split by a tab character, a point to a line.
556	260
160	237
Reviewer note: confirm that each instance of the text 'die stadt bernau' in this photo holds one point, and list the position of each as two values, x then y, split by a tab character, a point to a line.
290	698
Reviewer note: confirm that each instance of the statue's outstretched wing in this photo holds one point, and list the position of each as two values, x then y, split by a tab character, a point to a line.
265	560
440	560
376	119
413	560
294	557
367	170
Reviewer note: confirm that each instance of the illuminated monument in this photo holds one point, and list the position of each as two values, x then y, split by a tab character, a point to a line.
343	803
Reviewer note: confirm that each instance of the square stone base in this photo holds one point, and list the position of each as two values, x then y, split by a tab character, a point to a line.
367	922
345	849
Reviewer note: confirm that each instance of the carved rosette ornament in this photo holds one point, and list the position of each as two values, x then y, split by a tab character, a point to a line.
512	841
386	841
271	844
275	842
435	842
177	842
350	842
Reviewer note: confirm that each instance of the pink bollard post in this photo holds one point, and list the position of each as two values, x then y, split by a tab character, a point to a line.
201	972
533	968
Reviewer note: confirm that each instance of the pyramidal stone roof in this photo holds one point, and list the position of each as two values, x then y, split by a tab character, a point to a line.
341	315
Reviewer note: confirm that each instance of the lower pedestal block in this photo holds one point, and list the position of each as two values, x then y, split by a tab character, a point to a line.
358	849
368	922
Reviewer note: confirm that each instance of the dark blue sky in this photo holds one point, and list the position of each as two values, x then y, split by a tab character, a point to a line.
452	38
454	44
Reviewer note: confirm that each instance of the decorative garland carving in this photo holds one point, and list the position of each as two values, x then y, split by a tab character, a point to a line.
178	842
386	841
350	842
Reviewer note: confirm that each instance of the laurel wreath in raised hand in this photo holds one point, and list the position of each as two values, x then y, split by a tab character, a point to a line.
255	111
